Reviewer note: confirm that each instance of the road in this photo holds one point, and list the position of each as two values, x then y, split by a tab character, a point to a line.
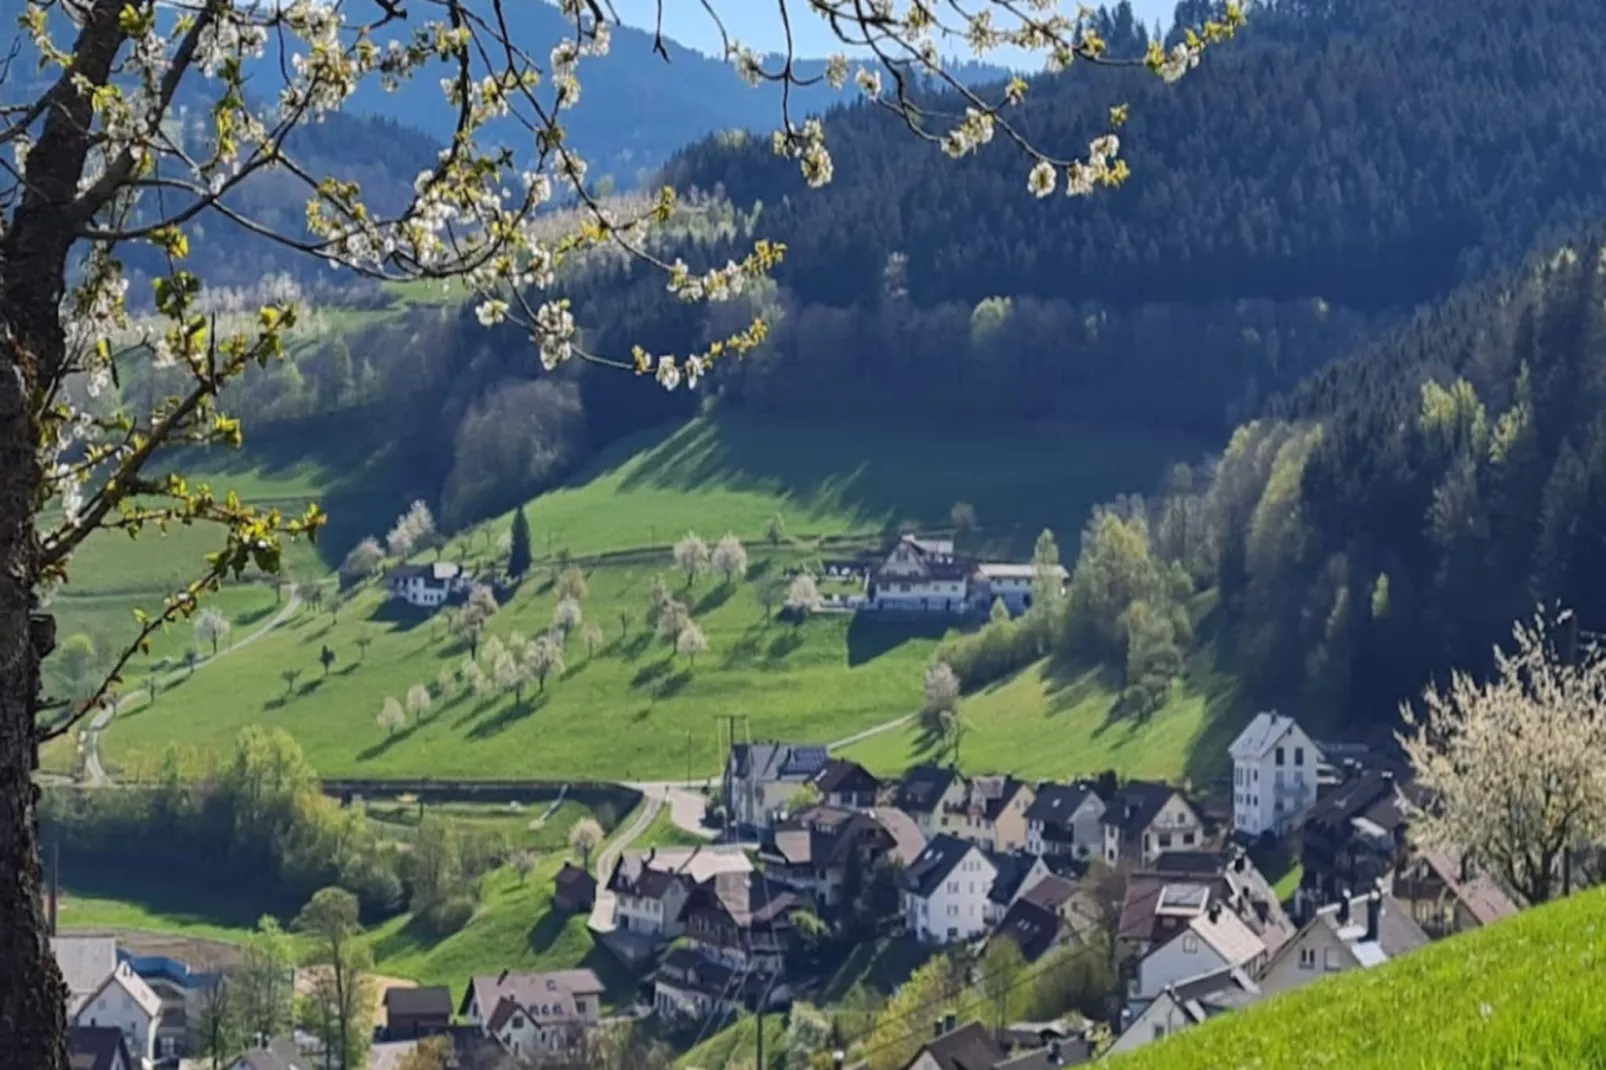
94	773
603	910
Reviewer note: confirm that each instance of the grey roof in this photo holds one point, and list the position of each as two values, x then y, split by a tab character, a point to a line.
1353	798
1013	869
922	788
430	1000
1034	929
1225	989
555	989
85	962
1260	735
941	855
1055	803
970	1047
771	760
1073	1051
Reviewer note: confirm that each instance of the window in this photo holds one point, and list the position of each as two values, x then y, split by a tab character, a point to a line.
1257	776
1330	960
1299	755
1279	756
518	1021
1190	944
1159	1030
1279	780
1307	958
1187	839
1165	840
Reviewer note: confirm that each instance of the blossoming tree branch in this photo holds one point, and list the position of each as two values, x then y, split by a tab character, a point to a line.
93	166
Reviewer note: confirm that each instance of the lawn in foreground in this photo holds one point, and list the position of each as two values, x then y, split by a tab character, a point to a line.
632	710
1049	722
1525	992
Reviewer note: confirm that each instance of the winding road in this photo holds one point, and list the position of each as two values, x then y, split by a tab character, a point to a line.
94	772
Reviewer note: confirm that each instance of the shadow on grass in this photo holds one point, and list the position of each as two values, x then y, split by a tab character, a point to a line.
649	674
670	686
872	635
508	717
636	647
760	570
741	651
391	739
784	644
181	900
403	616
714	599
545	933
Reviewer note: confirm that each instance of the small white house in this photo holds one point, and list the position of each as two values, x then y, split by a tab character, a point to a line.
127	1004
945	897
532	1013
1274	767
1013	583
427	586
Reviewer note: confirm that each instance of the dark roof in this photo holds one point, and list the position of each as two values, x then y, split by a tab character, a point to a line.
434	1000
572	882
1033	929
92	1047
922	788
970	1047
1055	803
1050	893
1190	862
1352	798
932	867
841	776
908	840
822	836
636	875
772	760
1073	1051
1013	869
748	898
1137	804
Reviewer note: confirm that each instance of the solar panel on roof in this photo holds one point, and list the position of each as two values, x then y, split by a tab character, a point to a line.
1184	895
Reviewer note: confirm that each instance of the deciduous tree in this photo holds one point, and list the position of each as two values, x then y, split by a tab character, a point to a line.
803	597
341	988
572	583
364	560
730	557
592	636
543	656
417	701
691	556
1510	770
584	836
391	716
566	616
690	642
211	627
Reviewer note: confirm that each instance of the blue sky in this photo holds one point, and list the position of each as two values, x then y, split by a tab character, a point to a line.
757	23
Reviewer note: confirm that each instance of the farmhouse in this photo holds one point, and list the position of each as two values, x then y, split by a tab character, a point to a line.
533	1012
1010	583
920	575
427	586
1354	933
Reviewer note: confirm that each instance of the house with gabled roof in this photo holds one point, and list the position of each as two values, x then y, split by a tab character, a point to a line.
931	795
1017	873
761	778
85	963
650	887
1274	775
1446	893
1355	933
533	1013
98	1047
921	576
996	812
428	585
1066	820
967	1047
945	891
124	1001
815	850
1145	818
1034	929
744	919
1185	1004
846	784
1209	937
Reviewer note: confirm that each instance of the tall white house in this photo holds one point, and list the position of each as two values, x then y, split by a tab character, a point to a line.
1274	767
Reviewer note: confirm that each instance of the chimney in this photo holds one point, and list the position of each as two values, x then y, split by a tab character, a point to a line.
1374	913
839	1059
1343	906
1238	863
501	977
936	1027
950	1022
1214	911
1388	777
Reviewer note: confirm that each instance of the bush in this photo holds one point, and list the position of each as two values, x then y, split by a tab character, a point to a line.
450	915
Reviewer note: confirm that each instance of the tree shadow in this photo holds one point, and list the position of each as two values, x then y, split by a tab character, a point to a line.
485	702
392	739
309	687
761	569
545	932
670	686
650	673
784	644
515	713
714	599
871	635
636	646
347	669
743	650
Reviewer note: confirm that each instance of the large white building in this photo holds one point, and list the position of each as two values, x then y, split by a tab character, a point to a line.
945	892
427	586
926	576
126	1003
1274	766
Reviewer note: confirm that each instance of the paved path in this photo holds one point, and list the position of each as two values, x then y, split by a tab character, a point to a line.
94	773
603	910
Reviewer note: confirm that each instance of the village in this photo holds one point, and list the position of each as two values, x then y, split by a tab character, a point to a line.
809	854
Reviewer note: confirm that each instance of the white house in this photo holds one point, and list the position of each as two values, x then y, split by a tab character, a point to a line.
1065	820
920	575
1273	775
1011	582
85	963
1212	938
1186	1004
945	896
427	586
1351	934
126	1003
1147	818
530	1013
651	887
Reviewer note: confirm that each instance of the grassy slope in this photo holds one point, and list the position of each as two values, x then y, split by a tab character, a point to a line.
1523	993
822	681
1048	721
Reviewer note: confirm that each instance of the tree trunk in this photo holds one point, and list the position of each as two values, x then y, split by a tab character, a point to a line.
33	352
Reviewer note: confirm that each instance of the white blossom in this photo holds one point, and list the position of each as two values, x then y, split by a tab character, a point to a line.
1041	180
